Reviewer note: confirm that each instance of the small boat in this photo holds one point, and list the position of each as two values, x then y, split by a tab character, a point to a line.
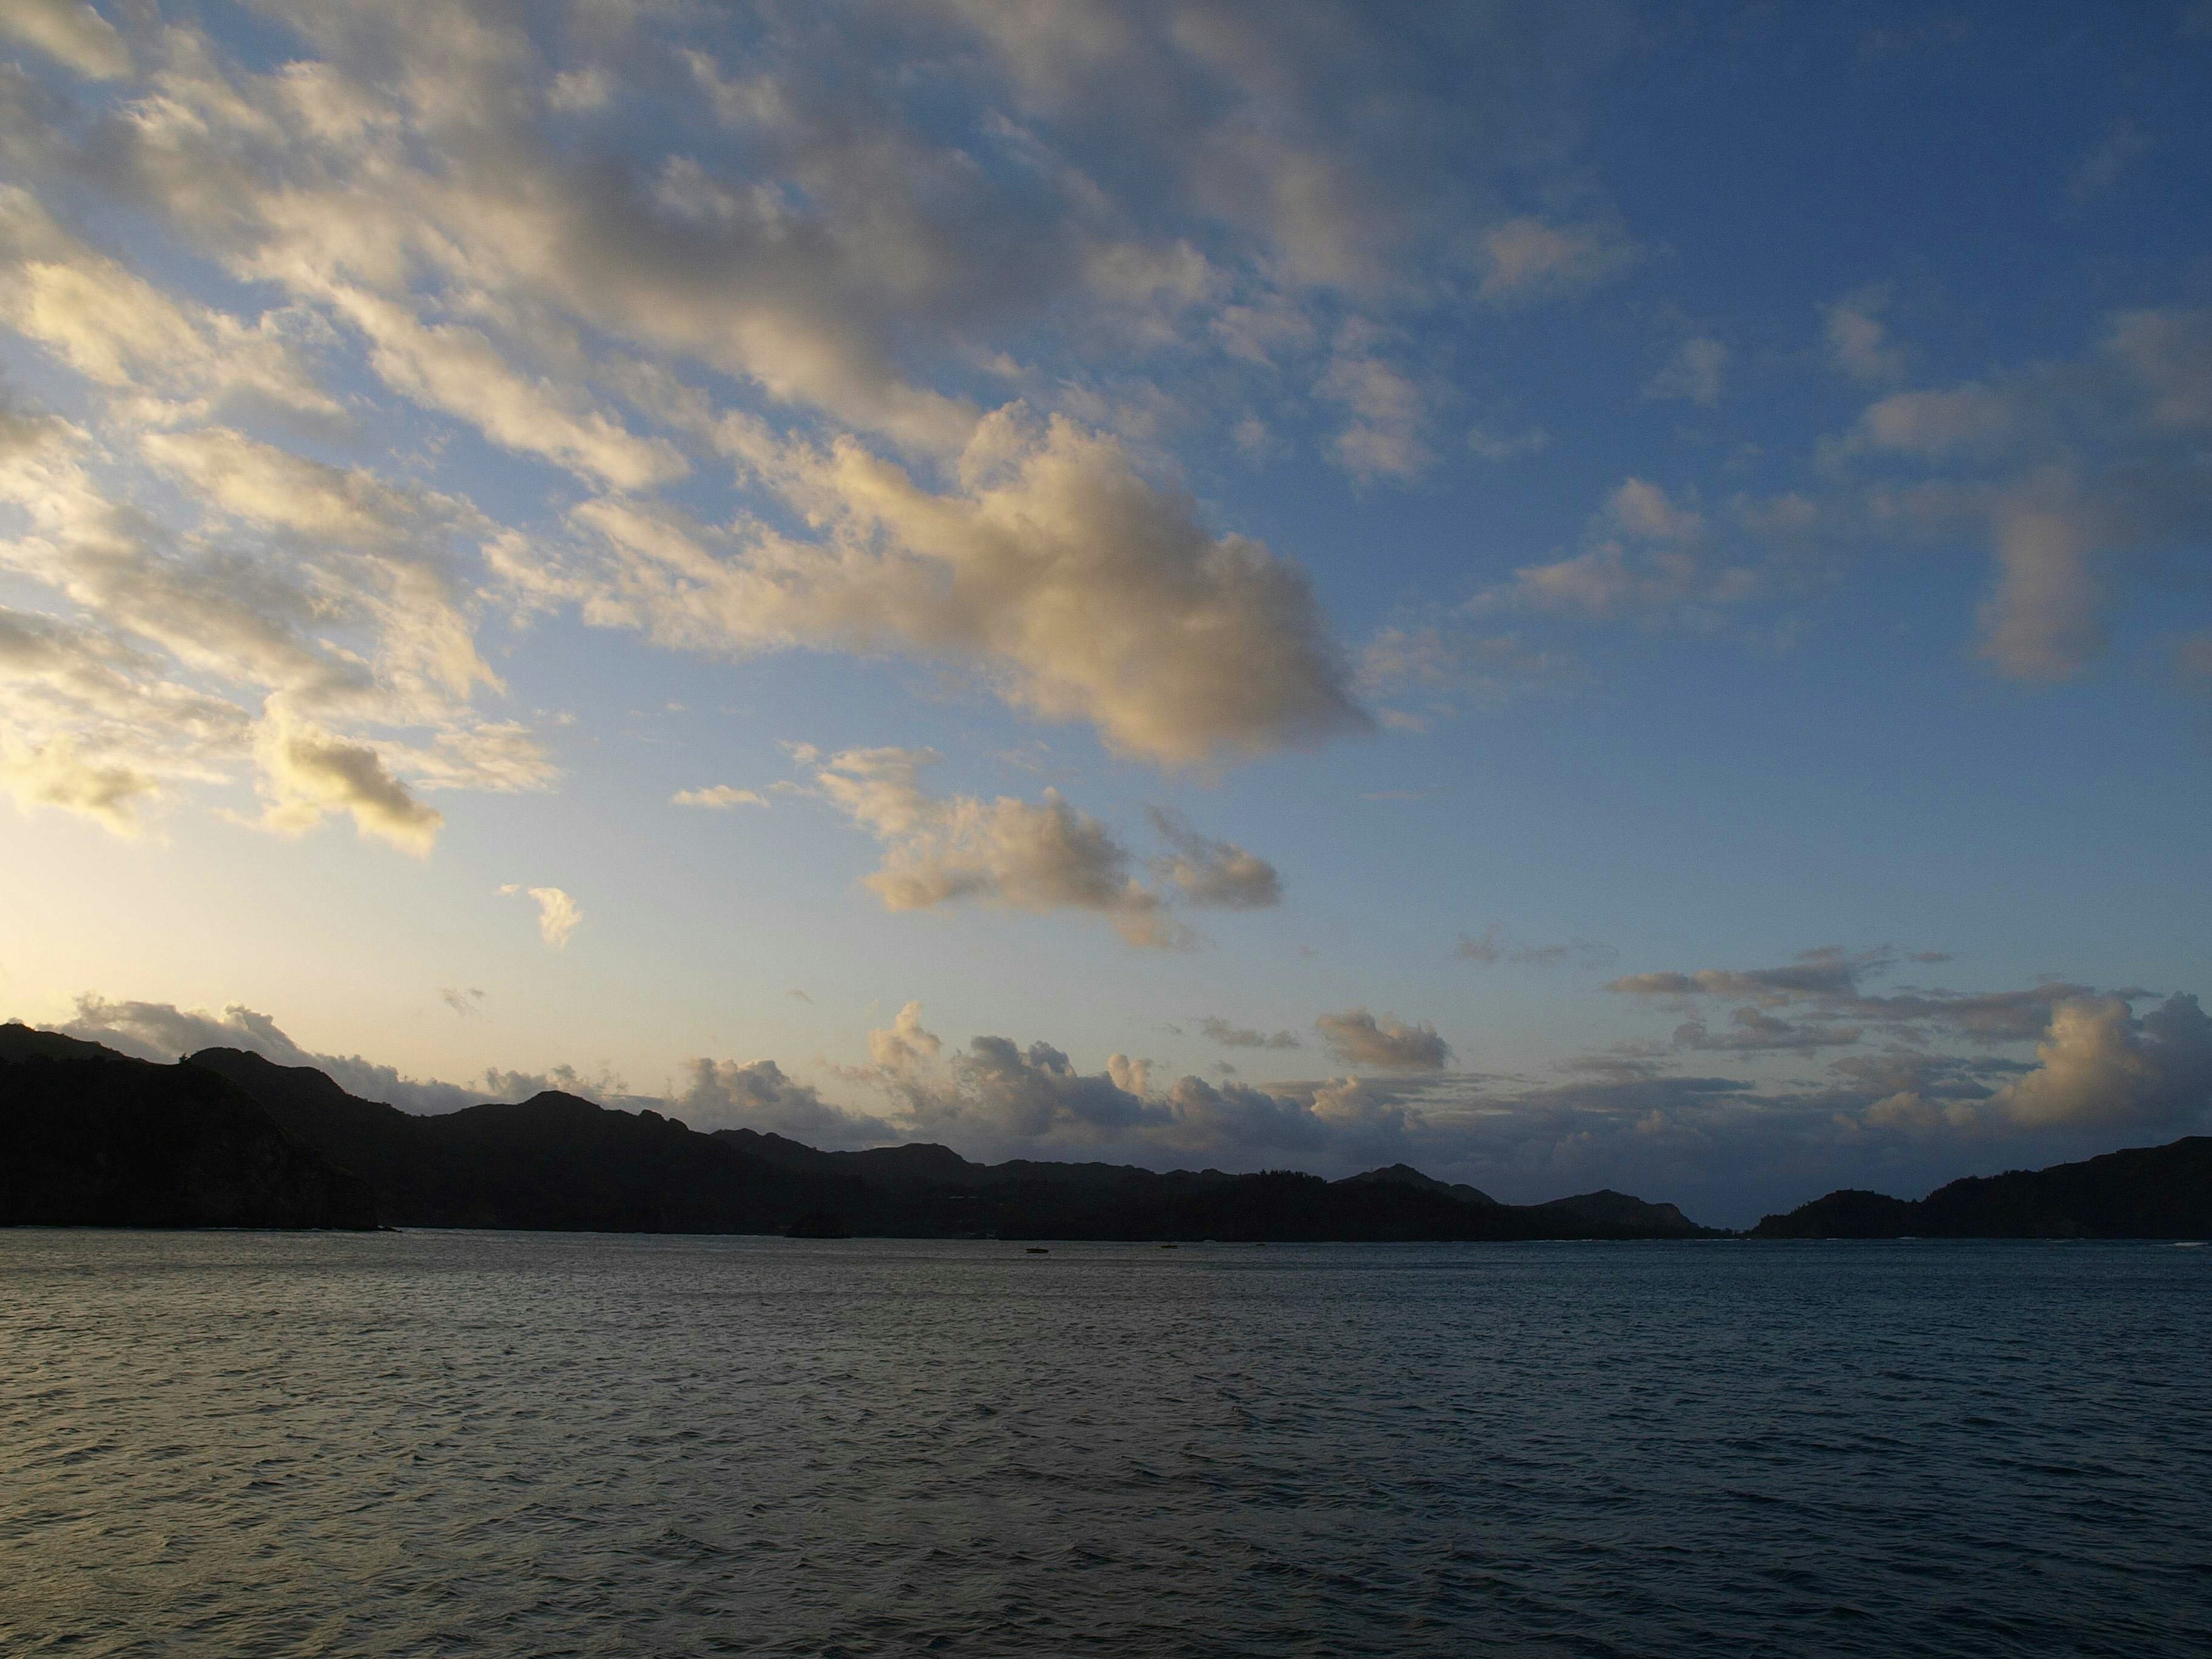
1171	1247
1037	1250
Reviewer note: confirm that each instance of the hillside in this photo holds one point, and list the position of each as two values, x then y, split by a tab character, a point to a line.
2145	1191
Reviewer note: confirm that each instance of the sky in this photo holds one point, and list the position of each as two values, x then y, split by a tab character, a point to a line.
1576	594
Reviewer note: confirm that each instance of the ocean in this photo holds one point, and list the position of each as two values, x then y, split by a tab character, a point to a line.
533	1444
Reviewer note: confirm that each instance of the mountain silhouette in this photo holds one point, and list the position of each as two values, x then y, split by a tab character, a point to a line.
2144	1192
88	1137
106	1130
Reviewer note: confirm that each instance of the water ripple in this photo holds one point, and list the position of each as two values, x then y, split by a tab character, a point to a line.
512	1445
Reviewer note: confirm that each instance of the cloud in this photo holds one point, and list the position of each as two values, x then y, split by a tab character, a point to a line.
467	1004
1649	560
1694	375
1358	1038
1041	856
1859	343
2169	355
72	33
1827	972
2045	617
304	619
1078	589
306	772
1833	1007
56	775
1968	419
1527	258
1383	438
1444	667
2099	1064
1219	1030
1212	874
721	797
903	1044
557	913
1495	944
162	1031
723	1094
2106	161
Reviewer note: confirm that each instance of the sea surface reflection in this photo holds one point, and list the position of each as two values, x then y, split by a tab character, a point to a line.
527	1444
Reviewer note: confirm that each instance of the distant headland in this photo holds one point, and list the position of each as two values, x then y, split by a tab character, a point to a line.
225	1138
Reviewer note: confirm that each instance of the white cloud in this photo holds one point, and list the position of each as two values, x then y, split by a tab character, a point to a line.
721	797
902	1045
1383	440
1041	856
1527	258
1078	589
72	33
56	775
1971	419
557	915
1694	375
1045	856
1859	343
2099	1064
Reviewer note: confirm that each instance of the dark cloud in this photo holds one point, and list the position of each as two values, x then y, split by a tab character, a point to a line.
1219	1030
1357	1037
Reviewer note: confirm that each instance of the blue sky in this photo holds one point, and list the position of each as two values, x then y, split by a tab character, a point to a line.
1582	595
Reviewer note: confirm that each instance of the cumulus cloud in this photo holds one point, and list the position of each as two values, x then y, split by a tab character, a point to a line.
1043	855
1357	1037
712	1094
430	194
1078	589
557	912
2098	1064
903	1044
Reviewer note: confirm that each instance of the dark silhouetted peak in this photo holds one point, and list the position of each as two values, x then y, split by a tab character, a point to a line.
1851	1213
1606	1209
21	1041
2142	1191
1404	1174
92	1142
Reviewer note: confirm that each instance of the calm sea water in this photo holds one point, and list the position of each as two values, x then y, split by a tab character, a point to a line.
527	1444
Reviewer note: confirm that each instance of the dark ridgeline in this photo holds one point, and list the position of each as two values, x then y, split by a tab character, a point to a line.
91	1137
2145	1191
229	1139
